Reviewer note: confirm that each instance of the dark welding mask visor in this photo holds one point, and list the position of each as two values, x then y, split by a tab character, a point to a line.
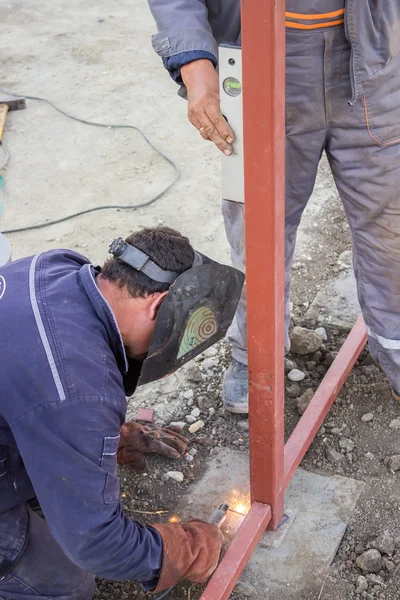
195	314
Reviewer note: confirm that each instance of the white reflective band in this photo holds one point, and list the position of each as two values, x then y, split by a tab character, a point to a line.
384	342
42	331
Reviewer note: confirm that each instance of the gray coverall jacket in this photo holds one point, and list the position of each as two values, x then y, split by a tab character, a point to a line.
342	98
372	30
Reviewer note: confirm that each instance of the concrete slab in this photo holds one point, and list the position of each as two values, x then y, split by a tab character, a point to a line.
320	508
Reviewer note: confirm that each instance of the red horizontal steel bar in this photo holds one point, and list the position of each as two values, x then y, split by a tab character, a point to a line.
263	61
236	557
306	429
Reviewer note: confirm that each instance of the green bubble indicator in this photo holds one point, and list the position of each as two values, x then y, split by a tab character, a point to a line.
232	86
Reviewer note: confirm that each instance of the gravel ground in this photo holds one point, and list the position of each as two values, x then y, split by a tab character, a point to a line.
96	61
358	439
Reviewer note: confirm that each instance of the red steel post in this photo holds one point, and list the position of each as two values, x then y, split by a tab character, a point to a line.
247	536
263	61
306	429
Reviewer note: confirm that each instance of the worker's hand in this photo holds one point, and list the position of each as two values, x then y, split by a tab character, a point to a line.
137	440
190	551
201	81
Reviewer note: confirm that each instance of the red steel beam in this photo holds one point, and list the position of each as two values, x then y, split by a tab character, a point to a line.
236	557
263	60
306	429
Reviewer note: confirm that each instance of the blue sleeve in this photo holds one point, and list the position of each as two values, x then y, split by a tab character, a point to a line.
69	449
174	63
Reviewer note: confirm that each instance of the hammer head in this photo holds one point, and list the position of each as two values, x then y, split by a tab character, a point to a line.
13	103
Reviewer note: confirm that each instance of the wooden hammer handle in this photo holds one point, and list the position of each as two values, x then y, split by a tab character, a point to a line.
3	116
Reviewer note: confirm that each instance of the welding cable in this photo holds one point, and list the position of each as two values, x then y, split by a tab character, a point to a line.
104	206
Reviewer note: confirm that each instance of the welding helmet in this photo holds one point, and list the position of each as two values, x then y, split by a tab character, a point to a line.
196	313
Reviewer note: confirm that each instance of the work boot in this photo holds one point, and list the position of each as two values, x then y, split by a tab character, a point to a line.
234	388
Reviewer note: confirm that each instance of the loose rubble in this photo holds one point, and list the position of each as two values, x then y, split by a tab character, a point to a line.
196	426
384	543
370	561
296	375
305	341
176	476
304	400
367	417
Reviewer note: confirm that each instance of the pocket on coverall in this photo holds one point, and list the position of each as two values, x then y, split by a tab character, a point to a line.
382	105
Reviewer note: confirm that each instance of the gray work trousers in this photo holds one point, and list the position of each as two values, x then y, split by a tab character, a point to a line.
44	572
362	144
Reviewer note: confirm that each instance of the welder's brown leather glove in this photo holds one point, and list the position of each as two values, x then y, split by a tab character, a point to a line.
137	440
190	551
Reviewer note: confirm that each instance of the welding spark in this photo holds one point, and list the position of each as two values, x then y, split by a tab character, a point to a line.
174	519
240	503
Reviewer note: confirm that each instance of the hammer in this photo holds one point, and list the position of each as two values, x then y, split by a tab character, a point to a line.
6	105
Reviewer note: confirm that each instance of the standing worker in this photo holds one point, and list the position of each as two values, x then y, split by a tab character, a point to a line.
342	97
75	339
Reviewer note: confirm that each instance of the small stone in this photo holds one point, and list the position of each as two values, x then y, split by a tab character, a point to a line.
394	462
346	444
304	400
190	402
395	424
196	426
369	455
334	455
176	476
293	390
289	365
221	411
367	417
190	419
193	451
322	332
384	543
212	351
359	549
211	411
335	431
388	564
243	425
177	424
296	375
210	363
370	561
362	585
305	341
375	579
188	395
195	412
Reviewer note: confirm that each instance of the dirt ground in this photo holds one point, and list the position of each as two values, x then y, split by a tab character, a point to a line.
96	62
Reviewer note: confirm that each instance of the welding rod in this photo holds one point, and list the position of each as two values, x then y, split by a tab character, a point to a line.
218	517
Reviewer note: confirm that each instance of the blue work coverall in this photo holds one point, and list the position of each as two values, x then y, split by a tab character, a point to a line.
63	371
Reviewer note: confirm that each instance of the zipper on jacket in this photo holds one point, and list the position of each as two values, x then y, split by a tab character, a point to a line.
352	78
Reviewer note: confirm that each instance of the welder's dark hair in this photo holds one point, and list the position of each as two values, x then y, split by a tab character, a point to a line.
166	247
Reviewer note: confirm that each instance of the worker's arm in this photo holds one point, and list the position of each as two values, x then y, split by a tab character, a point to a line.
182	26
183	31
69	450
